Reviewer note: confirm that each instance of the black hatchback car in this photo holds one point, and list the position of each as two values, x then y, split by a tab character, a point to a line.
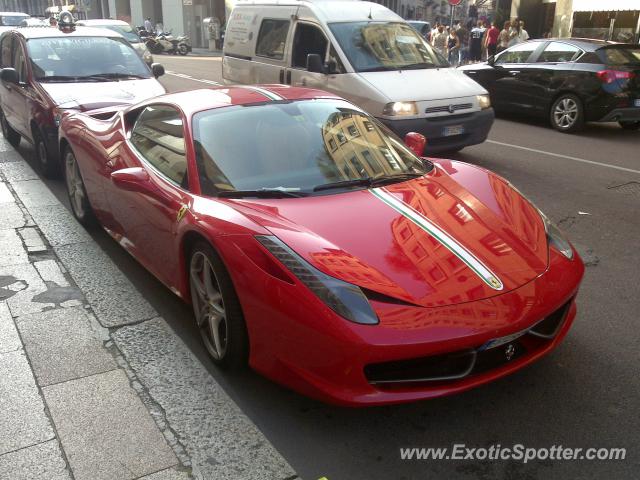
568	81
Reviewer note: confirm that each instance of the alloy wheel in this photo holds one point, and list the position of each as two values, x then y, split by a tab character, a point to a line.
208	305
75	187
565	113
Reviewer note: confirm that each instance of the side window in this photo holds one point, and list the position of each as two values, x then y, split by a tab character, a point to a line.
6	51
272	38
19	62
308	39
517	54
159	137
559	52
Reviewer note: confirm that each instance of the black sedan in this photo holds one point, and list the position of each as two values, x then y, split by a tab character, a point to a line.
568	81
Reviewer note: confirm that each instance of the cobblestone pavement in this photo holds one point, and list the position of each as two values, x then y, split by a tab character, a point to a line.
93	383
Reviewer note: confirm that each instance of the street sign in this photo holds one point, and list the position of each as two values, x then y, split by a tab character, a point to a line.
455	3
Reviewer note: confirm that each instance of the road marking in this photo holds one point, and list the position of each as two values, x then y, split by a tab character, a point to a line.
566	157
189	77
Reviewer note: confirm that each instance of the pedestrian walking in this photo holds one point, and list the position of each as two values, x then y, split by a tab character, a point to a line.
503	38
453	48
439	41
491	41
523	36
514	33
475	43
148	26
463	36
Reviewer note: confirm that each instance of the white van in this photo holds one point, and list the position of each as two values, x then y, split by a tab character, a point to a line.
363	52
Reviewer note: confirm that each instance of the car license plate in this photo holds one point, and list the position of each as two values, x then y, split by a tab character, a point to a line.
496	342
636	102
453	130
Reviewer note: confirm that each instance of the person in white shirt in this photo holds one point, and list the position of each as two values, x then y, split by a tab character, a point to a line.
148	26
523	35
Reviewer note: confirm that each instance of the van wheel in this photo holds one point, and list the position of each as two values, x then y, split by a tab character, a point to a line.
567	114
9	134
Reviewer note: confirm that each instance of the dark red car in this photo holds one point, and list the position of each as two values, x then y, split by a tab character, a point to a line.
46	70
315	245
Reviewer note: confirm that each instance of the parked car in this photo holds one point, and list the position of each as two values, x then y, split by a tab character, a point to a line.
10	20
47	70
124	29
314	245
569	81
365	53
423	28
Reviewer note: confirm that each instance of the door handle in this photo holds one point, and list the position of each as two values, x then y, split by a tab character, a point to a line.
281	76
514	72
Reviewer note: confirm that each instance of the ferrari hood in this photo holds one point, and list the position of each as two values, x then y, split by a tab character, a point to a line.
431	241
93	95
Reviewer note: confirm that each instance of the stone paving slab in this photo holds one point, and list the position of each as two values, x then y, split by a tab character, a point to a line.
222	442
40	462
9	339
32	240
34	193
62	346
50	271
11	250
17	171
22	418
20	285
11	216
5	194
168	474
8	153
58	225
105	429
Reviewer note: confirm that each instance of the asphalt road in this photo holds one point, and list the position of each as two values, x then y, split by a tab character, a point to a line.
585	394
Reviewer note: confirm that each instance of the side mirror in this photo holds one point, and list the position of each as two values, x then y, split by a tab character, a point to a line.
314	63
157	69
416	142
491	60
9	75
332	67
134	179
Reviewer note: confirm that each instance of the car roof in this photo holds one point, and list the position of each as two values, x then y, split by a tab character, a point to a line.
194	101
54	32
586	44
332	10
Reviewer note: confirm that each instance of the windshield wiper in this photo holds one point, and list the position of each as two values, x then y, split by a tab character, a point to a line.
113	75
261	193
381	68
370	182
56	78
417	66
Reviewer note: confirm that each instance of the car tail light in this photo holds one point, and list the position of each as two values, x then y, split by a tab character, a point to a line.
610	76
345	299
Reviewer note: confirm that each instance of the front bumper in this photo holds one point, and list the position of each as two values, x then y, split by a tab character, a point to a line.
476	129
297	341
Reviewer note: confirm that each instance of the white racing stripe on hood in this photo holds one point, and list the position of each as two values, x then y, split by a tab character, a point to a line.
440	235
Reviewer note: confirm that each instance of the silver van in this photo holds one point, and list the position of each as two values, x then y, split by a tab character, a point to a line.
365	53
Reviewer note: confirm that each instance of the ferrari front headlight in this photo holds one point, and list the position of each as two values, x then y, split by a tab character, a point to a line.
484	101
346	299
556	237
400	108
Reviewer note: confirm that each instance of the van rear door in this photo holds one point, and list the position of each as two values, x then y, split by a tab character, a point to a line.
273	45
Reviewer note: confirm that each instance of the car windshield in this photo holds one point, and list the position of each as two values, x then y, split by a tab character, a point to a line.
125	30
12	20
300	146
620	56
71	58
380	46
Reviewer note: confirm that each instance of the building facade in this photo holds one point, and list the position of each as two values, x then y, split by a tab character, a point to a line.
616	20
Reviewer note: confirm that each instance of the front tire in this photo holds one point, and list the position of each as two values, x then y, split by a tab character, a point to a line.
630	125
567	114
9	134
217	309
182	49
76	191
47	166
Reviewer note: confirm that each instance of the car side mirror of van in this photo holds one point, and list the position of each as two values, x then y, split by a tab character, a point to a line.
157	69
416	142
9	75
314	63
332	67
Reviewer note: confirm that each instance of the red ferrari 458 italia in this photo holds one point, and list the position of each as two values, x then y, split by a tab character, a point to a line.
315	245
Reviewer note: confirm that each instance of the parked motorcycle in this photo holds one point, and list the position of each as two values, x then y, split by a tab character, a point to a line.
165	42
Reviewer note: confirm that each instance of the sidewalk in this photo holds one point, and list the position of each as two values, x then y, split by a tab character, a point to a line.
93	383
